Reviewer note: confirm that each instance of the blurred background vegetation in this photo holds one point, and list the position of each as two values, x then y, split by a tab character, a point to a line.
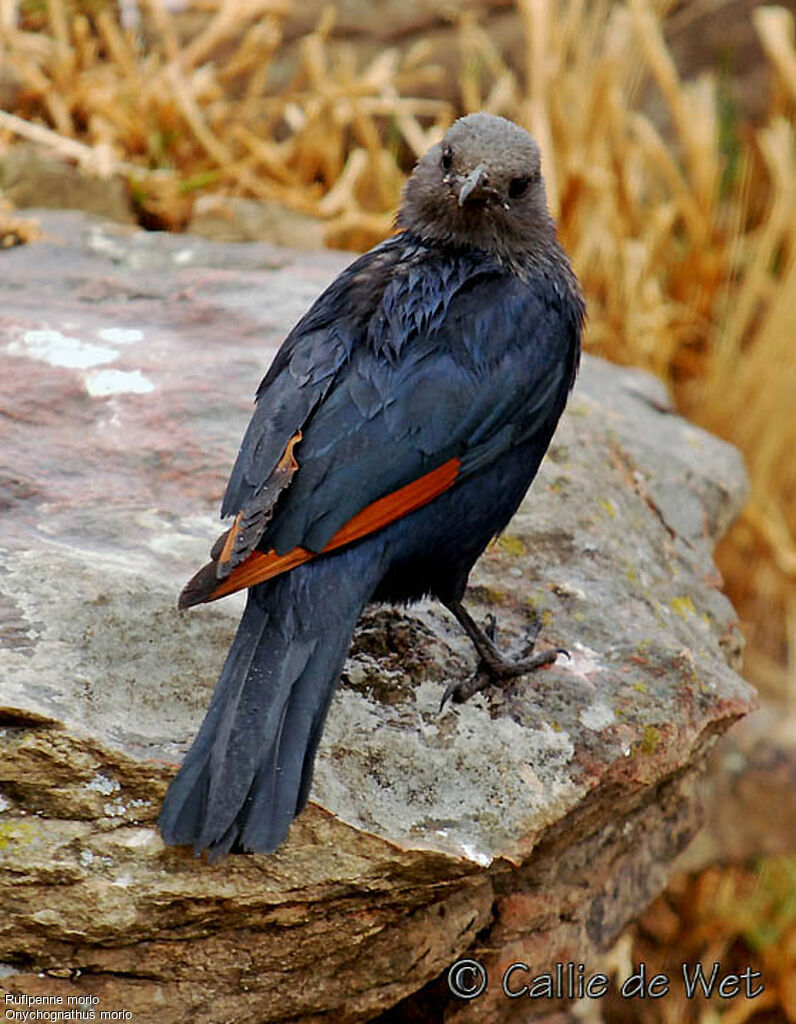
667	133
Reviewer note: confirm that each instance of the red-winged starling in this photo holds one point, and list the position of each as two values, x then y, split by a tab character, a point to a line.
395	434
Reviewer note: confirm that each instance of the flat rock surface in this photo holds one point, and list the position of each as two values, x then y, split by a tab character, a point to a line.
541	817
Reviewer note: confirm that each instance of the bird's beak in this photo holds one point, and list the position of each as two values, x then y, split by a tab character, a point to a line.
472	184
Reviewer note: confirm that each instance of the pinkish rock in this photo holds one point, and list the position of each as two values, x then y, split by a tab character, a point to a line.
530	824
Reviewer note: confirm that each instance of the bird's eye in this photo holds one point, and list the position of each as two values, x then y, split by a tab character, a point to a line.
518	187
447	158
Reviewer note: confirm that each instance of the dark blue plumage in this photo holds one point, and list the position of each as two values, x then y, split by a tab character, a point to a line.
457	339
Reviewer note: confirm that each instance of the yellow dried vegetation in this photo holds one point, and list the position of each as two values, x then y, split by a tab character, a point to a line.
682	226
742	917
177	116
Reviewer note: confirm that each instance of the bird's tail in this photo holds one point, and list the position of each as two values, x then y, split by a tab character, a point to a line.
248	772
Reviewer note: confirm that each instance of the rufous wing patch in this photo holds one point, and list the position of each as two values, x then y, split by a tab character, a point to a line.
237	543
250	523
260	566
396	505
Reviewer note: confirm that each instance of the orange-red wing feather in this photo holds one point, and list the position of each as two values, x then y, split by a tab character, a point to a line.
261	566
250	522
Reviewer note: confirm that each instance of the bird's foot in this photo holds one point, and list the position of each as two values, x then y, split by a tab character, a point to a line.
494	669
497	673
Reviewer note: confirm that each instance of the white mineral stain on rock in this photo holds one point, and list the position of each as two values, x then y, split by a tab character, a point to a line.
470	852
582	662
139	837
102	784
57	349
597	716
121	335
102	383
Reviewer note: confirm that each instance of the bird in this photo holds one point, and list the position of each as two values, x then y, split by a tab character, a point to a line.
394	435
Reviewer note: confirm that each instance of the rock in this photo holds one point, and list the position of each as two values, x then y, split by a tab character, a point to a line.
32	176
227	219
529	824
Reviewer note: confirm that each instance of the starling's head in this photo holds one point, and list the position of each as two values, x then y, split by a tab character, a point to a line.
481	187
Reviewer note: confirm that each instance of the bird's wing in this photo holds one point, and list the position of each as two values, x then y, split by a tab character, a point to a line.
437	389
303	371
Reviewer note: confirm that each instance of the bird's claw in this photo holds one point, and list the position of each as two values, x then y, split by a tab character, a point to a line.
493	667
461	690
497	673
532	635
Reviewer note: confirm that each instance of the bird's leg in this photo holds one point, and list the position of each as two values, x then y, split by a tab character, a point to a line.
493	668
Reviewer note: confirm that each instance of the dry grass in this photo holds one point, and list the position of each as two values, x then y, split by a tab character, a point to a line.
682	228
177	118
739	917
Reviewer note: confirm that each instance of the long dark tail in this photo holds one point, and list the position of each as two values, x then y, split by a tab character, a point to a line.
248	772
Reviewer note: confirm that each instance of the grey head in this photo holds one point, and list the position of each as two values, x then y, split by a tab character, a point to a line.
482	187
